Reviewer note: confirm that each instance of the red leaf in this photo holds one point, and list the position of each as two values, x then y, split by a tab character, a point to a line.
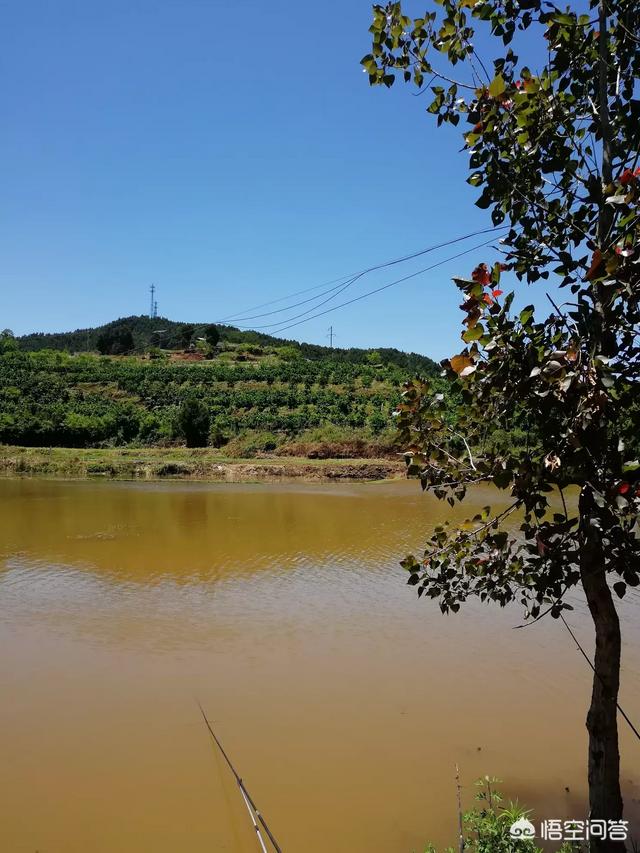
481	275
496	293
627	177
596	262
623	488
487	299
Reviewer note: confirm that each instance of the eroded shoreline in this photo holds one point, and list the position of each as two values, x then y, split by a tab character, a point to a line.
185	464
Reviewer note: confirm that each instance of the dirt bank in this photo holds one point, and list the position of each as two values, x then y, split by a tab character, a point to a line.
184	464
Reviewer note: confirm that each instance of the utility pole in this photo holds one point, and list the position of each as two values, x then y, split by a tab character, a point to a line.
153	303
330	336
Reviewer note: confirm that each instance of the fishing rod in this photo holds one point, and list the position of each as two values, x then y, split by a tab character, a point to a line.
246	796
253	821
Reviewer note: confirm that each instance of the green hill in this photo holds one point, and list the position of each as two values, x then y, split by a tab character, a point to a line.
159	331
250	395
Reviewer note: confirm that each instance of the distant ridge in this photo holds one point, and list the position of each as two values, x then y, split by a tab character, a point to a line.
143	328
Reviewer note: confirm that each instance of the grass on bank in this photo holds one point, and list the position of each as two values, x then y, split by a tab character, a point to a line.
162	462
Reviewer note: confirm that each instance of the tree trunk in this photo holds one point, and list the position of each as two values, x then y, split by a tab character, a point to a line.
605	798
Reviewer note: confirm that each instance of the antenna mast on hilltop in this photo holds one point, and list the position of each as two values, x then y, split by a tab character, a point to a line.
153	310
331	336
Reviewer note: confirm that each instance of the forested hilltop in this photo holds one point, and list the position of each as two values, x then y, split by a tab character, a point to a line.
139	333
244	393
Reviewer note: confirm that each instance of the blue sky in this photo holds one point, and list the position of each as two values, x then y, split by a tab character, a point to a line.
229	152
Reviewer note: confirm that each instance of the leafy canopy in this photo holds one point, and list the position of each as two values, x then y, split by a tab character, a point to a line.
554	155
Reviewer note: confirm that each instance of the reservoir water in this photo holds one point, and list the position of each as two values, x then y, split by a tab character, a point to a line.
344	701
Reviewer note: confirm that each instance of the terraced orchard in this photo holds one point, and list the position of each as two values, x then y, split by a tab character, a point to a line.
247	399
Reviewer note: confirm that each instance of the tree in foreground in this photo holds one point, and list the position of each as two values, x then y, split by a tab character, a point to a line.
8	342
185	335
555	155
212	335
194	421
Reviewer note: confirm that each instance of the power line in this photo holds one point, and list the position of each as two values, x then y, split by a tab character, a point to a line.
355	278
588	660
347	281
288	296
344	283
379	289
325	284
336	292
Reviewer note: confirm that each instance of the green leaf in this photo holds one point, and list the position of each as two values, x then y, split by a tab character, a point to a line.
497	86
484	201
565	20
526	314
620	588
463	283
473	334
502	479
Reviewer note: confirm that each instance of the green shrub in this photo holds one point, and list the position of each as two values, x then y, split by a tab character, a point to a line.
252	444
193	422
486	827
289	353
378	422
217	436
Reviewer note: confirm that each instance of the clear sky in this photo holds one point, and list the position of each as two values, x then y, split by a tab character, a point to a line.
229	152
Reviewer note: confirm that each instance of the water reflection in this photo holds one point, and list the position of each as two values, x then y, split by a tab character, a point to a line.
141	530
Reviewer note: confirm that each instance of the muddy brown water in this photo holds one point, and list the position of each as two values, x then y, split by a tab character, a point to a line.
343	699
